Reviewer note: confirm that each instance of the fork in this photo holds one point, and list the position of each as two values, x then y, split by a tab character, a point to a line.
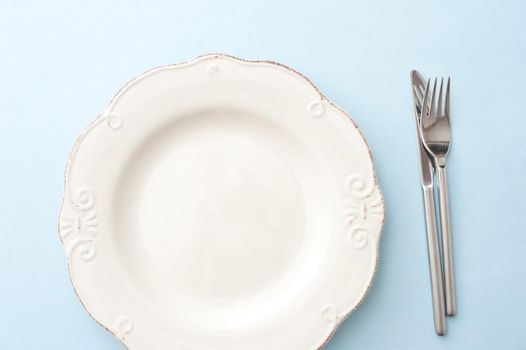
435	129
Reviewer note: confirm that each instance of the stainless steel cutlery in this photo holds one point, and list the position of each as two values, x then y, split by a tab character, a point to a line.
434	140
427	180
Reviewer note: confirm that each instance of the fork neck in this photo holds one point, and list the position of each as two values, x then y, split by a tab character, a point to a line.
440	162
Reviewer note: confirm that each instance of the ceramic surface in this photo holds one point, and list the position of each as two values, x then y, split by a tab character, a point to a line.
221	203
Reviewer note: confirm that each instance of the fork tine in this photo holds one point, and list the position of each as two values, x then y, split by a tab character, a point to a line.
432	113
425	102
447	99
439	112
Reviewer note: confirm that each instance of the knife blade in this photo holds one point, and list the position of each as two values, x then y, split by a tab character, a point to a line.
426	165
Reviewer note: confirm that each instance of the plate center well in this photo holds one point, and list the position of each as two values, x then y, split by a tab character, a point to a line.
213	202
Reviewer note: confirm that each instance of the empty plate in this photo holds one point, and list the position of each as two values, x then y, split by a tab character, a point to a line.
221	204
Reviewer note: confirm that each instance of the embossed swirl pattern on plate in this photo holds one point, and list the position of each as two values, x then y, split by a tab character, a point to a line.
79	229
123	327
316	108
363	206
329	313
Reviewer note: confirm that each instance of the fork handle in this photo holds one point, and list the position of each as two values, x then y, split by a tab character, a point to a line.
447	247
435	268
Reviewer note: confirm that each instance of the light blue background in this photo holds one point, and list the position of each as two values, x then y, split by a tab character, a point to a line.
61	62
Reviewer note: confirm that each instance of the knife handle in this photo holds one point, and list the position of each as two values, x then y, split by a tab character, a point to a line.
435	268
447	247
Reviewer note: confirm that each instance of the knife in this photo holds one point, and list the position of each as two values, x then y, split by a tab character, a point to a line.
426	176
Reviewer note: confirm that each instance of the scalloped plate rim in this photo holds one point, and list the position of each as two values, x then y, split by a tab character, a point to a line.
138	78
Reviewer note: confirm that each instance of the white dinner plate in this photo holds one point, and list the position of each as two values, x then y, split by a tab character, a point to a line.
221	204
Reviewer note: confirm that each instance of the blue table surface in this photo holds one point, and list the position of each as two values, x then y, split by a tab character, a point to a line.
61	62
